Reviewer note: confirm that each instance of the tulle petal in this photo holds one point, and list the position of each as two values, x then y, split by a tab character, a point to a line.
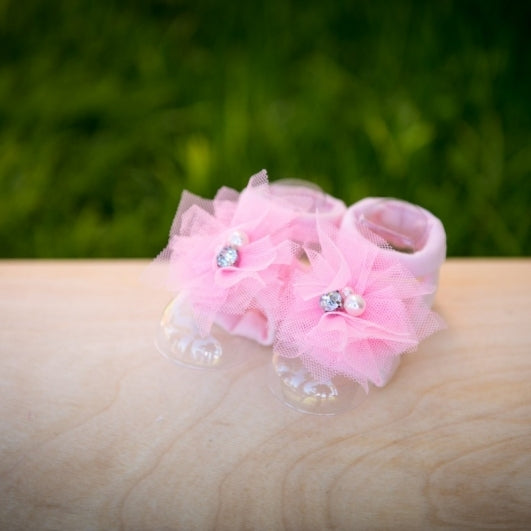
362	347
252	286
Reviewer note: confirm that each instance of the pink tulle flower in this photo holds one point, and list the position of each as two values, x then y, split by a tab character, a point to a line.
230	257
352	310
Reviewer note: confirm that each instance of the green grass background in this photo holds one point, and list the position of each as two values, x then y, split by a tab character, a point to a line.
109	109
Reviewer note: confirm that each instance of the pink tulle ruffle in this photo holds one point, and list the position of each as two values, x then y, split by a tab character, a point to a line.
362	347
240	297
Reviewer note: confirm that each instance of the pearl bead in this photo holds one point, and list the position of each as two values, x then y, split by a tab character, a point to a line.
238	238
346	291
354	304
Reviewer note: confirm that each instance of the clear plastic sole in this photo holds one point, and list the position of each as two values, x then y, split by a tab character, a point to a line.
178	340
294	386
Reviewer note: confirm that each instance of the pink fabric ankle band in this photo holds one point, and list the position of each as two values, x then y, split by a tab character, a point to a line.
410	232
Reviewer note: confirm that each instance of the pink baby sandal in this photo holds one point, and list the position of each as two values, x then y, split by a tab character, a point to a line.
361	300
227	262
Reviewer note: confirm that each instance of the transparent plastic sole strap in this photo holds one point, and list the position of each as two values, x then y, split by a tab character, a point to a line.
293	385
178	340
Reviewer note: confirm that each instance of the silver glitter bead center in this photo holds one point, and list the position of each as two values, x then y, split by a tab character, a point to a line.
331	301
228	256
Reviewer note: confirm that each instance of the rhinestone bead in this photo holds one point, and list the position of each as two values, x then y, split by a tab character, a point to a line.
228	256
331	301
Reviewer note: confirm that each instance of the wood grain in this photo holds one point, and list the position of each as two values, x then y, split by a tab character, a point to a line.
97	431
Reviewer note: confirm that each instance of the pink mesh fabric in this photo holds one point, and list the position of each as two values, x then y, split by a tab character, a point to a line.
241	298
307	205
395	320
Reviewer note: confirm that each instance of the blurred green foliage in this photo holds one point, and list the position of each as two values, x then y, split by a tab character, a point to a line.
109	109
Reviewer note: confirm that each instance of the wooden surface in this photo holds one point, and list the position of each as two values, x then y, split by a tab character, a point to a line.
98	431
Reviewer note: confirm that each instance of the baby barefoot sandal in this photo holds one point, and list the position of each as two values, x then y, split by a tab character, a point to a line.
339	293
361	300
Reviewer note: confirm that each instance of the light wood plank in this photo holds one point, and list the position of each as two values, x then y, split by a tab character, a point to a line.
97	431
